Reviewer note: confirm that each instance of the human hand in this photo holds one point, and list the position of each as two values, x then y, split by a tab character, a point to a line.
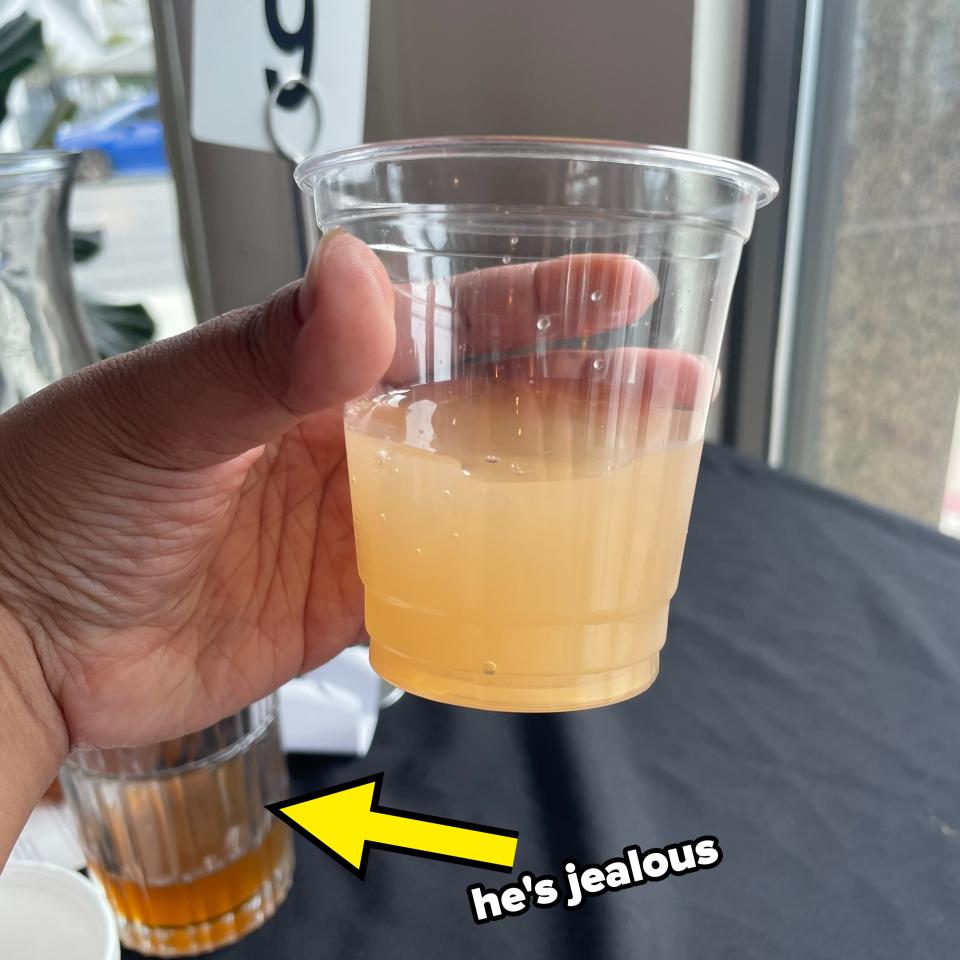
175	526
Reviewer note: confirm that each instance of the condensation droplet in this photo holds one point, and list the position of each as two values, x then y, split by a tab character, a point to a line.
456	536
447	493
543	324
419	552
489	668
517	469
514	241
506	260
466	473
596	296
599	363
383	516
353	478
453	422
380	459
492	458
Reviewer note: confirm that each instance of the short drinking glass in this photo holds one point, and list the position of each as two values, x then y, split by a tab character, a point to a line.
177	834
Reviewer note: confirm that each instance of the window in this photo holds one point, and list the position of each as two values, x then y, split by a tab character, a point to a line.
145	115
873	356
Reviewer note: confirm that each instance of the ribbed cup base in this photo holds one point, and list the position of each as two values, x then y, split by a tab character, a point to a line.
219	931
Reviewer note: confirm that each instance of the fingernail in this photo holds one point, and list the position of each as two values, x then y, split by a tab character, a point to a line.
307	297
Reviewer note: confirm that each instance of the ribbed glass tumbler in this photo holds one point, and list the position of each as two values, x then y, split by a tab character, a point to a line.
178	837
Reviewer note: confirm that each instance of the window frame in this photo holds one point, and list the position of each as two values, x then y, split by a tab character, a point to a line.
774	55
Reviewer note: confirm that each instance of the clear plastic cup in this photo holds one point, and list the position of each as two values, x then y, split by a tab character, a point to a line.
522	476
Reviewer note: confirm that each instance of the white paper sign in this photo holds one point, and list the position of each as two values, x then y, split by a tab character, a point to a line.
241	48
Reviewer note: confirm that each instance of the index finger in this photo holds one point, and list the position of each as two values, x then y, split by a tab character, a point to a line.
577	296
509	308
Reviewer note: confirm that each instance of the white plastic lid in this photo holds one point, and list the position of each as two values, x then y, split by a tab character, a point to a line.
49	913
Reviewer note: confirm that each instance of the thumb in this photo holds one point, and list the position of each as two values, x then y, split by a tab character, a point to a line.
246	377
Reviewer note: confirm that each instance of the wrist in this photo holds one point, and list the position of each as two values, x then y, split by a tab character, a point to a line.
33	735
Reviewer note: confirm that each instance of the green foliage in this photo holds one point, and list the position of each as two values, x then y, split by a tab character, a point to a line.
21	46
117	328
63	111
86	244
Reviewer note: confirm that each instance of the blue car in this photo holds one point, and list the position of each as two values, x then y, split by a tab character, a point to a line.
126	138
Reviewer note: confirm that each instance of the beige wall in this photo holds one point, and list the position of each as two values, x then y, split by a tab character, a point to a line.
599	68
590	68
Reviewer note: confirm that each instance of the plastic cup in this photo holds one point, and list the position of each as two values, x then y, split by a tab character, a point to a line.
522	476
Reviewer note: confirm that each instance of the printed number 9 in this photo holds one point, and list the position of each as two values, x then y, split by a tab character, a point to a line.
300	39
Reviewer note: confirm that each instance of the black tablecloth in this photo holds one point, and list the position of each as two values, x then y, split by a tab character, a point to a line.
807	715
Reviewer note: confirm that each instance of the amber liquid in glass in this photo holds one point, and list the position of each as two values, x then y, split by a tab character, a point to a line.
215	897
189	859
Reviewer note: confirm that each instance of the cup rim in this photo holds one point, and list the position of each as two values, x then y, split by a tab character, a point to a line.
74	765
37	163
759	184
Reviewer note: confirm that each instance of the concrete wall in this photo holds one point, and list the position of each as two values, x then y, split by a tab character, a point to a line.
891	356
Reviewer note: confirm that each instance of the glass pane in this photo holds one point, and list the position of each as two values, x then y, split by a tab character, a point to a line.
874	406
98	98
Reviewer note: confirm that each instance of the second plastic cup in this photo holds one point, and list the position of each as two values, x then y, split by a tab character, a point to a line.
522	476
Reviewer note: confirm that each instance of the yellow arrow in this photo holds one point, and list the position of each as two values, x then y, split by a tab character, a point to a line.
347	821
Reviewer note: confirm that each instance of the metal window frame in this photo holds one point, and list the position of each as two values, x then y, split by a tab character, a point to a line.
222	235
802	353
775	43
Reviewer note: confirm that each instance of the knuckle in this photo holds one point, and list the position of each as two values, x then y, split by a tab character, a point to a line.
260	345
